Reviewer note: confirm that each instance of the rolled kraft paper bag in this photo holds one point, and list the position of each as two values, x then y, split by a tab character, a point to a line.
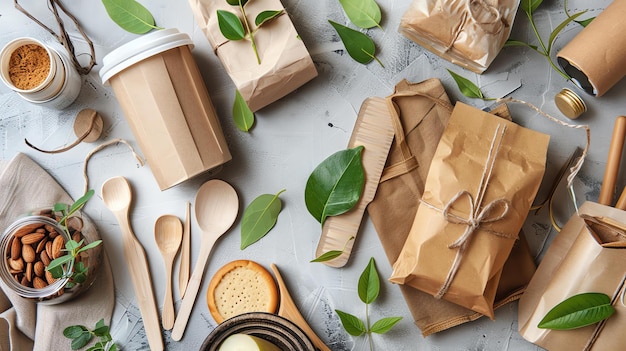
480	186
596	57
588	255
469	33
285	62
165	101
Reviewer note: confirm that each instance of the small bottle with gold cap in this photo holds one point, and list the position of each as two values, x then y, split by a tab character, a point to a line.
569	103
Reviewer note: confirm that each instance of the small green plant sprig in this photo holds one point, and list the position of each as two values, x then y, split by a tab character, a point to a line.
232	27
545	48
368	289
59	266
578	311
81	336
130	16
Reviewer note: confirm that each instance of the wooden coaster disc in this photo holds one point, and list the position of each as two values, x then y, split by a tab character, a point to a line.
84	120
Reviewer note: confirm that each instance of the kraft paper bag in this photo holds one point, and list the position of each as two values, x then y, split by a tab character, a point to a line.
422	111
588	255
469	33
285	62
482	181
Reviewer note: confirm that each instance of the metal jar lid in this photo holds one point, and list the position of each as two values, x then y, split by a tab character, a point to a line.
279	331
569	103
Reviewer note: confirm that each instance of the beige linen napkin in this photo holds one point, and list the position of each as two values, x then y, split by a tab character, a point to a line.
25	325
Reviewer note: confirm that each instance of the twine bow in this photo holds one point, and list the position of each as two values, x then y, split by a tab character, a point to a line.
478	214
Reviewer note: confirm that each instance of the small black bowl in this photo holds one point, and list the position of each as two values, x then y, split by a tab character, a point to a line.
279	331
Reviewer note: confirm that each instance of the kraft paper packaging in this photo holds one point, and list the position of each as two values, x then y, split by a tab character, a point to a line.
596	57
469	33
422	111
285	62
480	186
588	255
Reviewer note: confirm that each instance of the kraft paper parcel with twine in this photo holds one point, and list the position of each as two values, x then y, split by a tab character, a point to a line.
25	325
588	255
469	33
285	62
423	110
480	186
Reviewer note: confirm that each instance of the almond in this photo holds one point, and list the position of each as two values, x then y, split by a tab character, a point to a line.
17	265
49	278
57	246
28	253
27	229
45	259
16	248
29	271
49	249
32	238
41	245
39	269
39	283
49	228
24	281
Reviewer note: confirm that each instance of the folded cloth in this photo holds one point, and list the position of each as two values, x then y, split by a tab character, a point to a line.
24	324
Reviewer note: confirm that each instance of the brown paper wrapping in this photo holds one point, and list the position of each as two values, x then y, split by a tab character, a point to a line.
576	262
596	57
459	166
469	33
285	61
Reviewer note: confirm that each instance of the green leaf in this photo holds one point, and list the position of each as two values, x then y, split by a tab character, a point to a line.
351	324
327	256
335	185
230	25
90	245
578	311
363	13
81	341
72	245
237	2
369	283
466	87
513	42
80	202
58	262
267	16
529	6
242	115
585	22
59	207
130	15
259	218
560	27
359	46
384	325
74	331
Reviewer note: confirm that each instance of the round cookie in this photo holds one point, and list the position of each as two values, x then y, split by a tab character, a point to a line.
241	286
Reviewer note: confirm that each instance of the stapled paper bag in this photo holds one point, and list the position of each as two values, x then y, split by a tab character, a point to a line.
285	62
588	255
480	186
469	33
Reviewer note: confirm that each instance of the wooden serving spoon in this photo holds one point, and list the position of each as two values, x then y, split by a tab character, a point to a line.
117	196
217	206
168	234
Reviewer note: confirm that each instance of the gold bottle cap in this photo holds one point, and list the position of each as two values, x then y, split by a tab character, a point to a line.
569	103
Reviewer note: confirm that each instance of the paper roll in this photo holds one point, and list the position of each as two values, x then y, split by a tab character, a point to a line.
596	57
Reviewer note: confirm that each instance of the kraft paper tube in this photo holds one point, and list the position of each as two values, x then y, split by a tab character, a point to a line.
596	57
613	160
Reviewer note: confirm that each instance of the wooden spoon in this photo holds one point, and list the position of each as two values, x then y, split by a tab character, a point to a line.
217	206
168	234
117	196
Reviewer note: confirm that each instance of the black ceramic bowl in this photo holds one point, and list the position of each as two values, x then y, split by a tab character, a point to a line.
275	329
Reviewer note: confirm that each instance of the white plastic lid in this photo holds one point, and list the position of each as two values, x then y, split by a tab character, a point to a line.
140	49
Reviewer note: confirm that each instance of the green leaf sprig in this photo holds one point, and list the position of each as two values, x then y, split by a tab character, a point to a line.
233	28
364	14
242	115
259	218
332	254
130	15
81	336
368	290
467	87
578	311
59	267
335	185
544	48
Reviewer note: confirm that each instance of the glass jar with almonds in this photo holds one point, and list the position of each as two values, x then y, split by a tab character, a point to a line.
32	242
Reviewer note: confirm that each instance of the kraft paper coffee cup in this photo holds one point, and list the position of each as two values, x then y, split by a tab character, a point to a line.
165	101
596	57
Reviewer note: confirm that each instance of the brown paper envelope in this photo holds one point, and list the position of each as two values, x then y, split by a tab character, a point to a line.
285	61
458	165
576	263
